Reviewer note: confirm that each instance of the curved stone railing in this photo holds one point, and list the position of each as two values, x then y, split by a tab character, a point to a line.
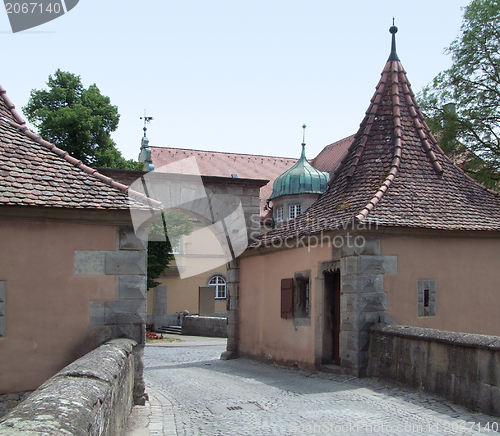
462	367
91	396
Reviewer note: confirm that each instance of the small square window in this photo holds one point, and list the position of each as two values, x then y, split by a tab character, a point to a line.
426	297
301	309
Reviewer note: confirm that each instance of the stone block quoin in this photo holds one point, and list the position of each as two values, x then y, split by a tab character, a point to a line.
129	264
363	300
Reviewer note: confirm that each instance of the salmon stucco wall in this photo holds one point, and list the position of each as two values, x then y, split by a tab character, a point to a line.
467	277
263	333
47	306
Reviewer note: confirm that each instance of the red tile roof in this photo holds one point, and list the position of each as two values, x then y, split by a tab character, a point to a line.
33	172
331	156
249	166
214	163
395	174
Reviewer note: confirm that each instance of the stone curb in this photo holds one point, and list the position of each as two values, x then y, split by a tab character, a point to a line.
161	419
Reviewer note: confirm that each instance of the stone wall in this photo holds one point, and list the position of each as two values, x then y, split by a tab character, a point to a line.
91	396
9	401
204	326
363	301
464	368
127	314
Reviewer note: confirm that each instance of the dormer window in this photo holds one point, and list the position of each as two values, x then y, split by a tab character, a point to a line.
293	211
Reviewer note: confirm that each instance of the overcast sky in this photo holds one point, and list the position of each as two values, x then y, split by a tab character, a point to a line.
233	75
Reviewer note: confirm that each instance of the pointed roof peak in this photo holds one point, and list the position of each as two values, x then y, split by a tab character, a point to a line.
395	175
393	30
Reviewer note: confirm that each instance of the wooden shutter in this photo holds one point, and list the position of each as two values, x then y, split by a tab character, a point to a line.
287	298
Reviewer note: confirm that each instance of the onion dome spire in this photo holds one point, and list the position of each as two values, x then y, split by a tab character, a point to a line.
302	178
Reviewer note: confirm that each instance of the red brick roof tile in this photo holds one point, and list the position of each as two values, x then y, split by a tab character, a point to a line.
249	166
33	172
331	156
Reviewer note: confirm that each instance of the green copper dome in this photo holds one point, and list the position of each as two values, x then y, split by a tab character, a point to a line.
302	178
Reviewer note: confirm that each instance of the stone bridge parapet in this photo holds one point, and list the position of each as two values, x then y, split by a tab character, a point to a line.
91	396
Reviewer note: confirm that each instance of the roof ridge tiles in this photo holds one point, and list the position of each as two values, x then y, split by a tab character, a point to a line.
367	122
442	153
224	152
20	124
422	128
11	106
396	160
398	77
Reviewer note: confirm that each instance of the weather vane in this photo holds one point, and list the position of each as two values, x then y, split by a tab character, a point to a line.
147	120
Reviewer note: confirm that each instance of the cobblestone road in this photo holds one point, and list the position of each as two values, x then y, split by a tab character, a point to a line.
206	396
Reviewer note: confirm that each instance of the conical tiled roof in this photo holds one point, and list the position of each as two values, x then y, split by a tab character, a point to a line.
33	172
395	174
302	178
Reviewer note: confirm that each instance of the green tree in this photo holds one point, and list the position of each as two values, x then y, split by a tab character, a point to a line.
160	252
77	120
470	131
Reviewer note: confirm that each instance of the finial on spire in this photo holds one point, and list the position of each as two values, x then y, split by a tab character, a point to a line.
147	120
393	30
304	135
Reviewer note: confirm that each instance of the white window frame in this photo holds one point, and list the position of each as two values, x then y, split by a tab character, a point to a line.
294	211
218	281
279	214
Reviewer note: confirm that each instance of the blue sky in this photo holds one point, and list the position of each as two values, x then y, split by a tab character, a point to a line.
231	75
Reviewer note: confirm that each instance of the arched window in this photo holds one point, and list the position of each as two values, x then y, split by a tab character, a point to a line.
219	283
